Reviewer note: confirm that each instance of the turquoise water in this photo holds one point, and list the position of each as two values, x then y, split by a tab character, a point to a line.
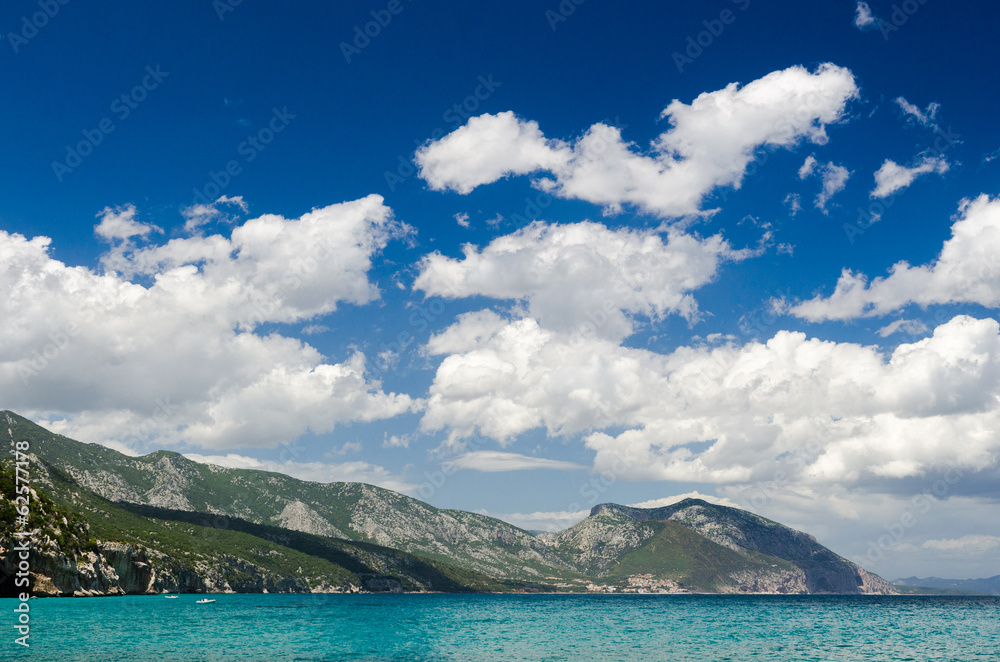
508	627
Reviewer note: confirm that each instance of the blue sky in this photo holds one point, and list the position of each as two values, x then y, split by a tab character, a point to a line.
523	261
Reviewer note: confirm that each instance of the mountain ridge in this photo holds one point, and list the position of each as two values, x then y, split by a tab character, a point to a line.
690	545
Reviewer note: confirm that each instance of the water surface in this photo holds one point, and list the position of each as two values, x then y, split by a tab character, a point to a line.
380	627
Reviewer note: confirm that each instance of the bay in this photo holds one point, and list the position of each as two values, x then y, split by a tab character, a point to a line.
429	627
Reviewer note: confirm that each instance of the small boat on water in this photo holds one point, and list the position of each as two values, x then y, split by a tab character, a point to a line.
205	601
170	597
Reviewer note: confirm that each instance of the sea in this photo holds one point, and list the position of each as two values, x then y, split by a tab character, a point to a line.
429	627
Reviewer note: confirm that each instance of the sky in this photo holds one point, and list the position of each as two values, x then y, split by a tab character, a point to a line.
522	259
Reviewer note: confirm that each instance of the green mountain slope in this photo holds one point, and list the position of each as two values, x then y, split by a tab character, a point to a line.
720	548
161	550
212	528
351	511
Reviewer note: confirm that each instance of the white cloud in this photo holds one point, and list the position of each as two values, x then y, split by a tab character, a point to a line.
794	203
966	271
671	500
119	223
462	219
863	17
317	472
971	544
201	214
584	276
485	149
834	179
909	327
892	177
271	268
396	440
314	329
924	117
728	414
103	358
808	167
494	461
710	144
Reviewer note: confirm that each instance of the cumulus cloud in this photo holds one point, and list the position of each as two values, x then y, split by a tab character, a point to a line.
317	472
506	377
494	461
485	149
462	219
863	17
966	271
174	358
584	275
727	414
119	223
710	144
892	177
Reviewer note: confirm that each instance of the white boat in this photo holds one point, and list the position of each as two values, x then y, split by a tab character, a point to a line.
170	597
205	601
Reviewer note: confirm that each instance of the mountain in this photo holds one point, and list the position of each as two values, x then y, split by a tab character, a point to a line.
713	547
196	523
349	511
154	550
989	585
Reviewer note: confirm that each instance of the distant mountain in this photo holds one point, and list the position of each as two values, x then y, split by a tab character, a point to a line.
204	527
713	547
989	585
